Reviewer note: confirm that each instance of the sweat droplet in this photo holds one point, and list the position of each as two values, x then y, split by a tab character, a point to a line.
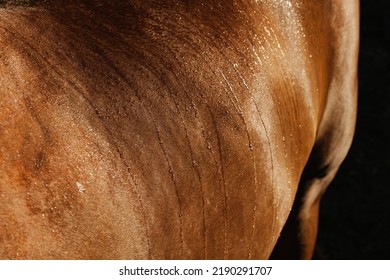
80	187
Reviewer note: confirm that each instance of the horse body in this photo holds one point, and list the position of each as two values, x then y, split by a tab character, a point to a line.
173	130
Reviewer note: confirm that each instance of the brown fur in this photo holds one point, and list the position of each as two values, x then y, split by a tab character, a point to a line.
171	129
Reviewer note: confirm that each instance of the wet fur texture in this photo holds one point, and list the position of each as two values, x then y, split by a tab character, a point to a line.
171	129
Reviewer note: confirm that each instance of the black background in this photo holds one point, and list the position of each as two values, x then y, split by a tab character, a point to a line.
355	211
